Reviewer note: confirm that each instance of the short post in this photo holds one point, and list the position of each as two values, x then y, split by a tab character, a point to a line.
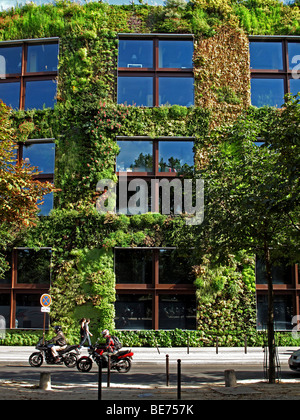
178	379
217	345
167	370
188	344
108	371
45	381
100	380
230	378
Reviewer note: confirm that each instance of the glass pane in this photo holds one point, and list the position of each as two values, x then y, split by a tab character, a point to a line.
267	92
7	279
295	86
174	155
283	312
135	156
266	55
40	94
133	312
177	311
176	54
42	58
135	54
10	94
5	307
47	205
10	60
133	266
28	311
174	268
33	266
294	54
176	91
41	155
281	274
137	91
133	197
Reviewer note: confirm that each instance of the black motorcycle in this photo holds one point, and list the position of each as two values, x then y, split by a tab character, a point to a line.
120	361
68	356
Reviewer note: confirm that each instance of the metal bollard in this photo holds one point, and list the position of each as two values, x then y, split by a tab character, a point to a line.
217	345
167	370
178	379
100	380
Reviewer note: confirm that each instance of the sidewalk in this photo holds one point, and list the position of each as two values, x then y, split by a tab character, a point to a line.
195	355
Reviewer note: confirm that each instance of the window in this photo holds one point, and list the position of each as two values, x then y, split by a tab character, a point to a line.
40	153
155	70
27	279
154	289
153	164
28	72
286	294
273	63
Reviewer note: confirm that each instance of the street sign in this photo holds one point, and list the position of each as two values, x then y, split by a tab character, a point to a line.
46	300
45	309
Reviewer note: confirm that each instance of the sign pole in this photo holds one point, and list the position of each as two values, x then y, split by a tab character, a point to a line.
44	327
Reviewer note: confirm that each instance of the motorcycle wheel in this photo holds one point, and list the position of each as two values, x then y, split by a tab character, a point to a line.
70	360
36	359
84	364
124	365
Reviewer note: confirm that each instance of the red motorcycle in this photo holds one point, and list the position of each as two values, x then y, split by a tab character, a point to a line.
120	361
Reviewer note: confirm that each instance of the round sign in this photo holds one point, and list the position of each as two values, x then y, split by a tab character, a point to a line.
46	300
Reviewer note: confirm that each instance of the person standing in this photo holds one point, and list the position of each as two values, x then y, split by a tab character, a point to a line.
86	332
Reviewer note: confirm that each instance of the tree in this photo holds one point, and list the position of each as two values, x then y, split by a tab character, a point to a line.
252	195
19	191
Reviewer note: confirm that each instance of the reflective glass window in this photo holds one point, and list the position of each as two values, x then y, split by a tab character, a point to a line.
10	94
294	54
283	312
137	91
40	94
10	60
295	86
133	311
175	155
41	155
46	205
267	92
135	53
266	55
28	311
133	266
174	268
176	91
33	266
281	274
41	58
177	311
176	54
135	156
4	309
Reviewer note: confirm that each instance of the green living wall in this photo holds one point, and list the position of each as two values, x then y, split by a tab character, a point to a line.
85	123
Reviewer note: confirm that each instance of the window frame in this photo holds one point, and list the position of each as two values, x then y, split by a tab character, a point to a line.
25	76
156	72
286	72
155	289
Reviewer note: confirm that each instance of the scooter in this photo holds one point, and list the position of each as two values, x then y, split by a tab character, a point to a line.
120	361
68	356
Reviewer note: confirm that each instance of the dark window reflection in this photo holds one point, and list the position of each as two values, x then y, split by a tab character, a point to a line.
176	54
281	274
33	266
135	54
176	91
133	312
10	60
174	268
268	92
177	311
266	55
40	94
283	312
5	307
10	94
133	266
137	91
28	311
42	58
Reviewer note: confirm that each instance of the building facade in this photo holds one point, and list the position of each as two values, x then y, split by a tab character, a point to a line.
130	94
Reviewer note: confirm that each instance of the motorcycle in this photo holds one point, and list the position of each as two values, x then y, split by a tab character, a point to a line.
68	356
119	361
